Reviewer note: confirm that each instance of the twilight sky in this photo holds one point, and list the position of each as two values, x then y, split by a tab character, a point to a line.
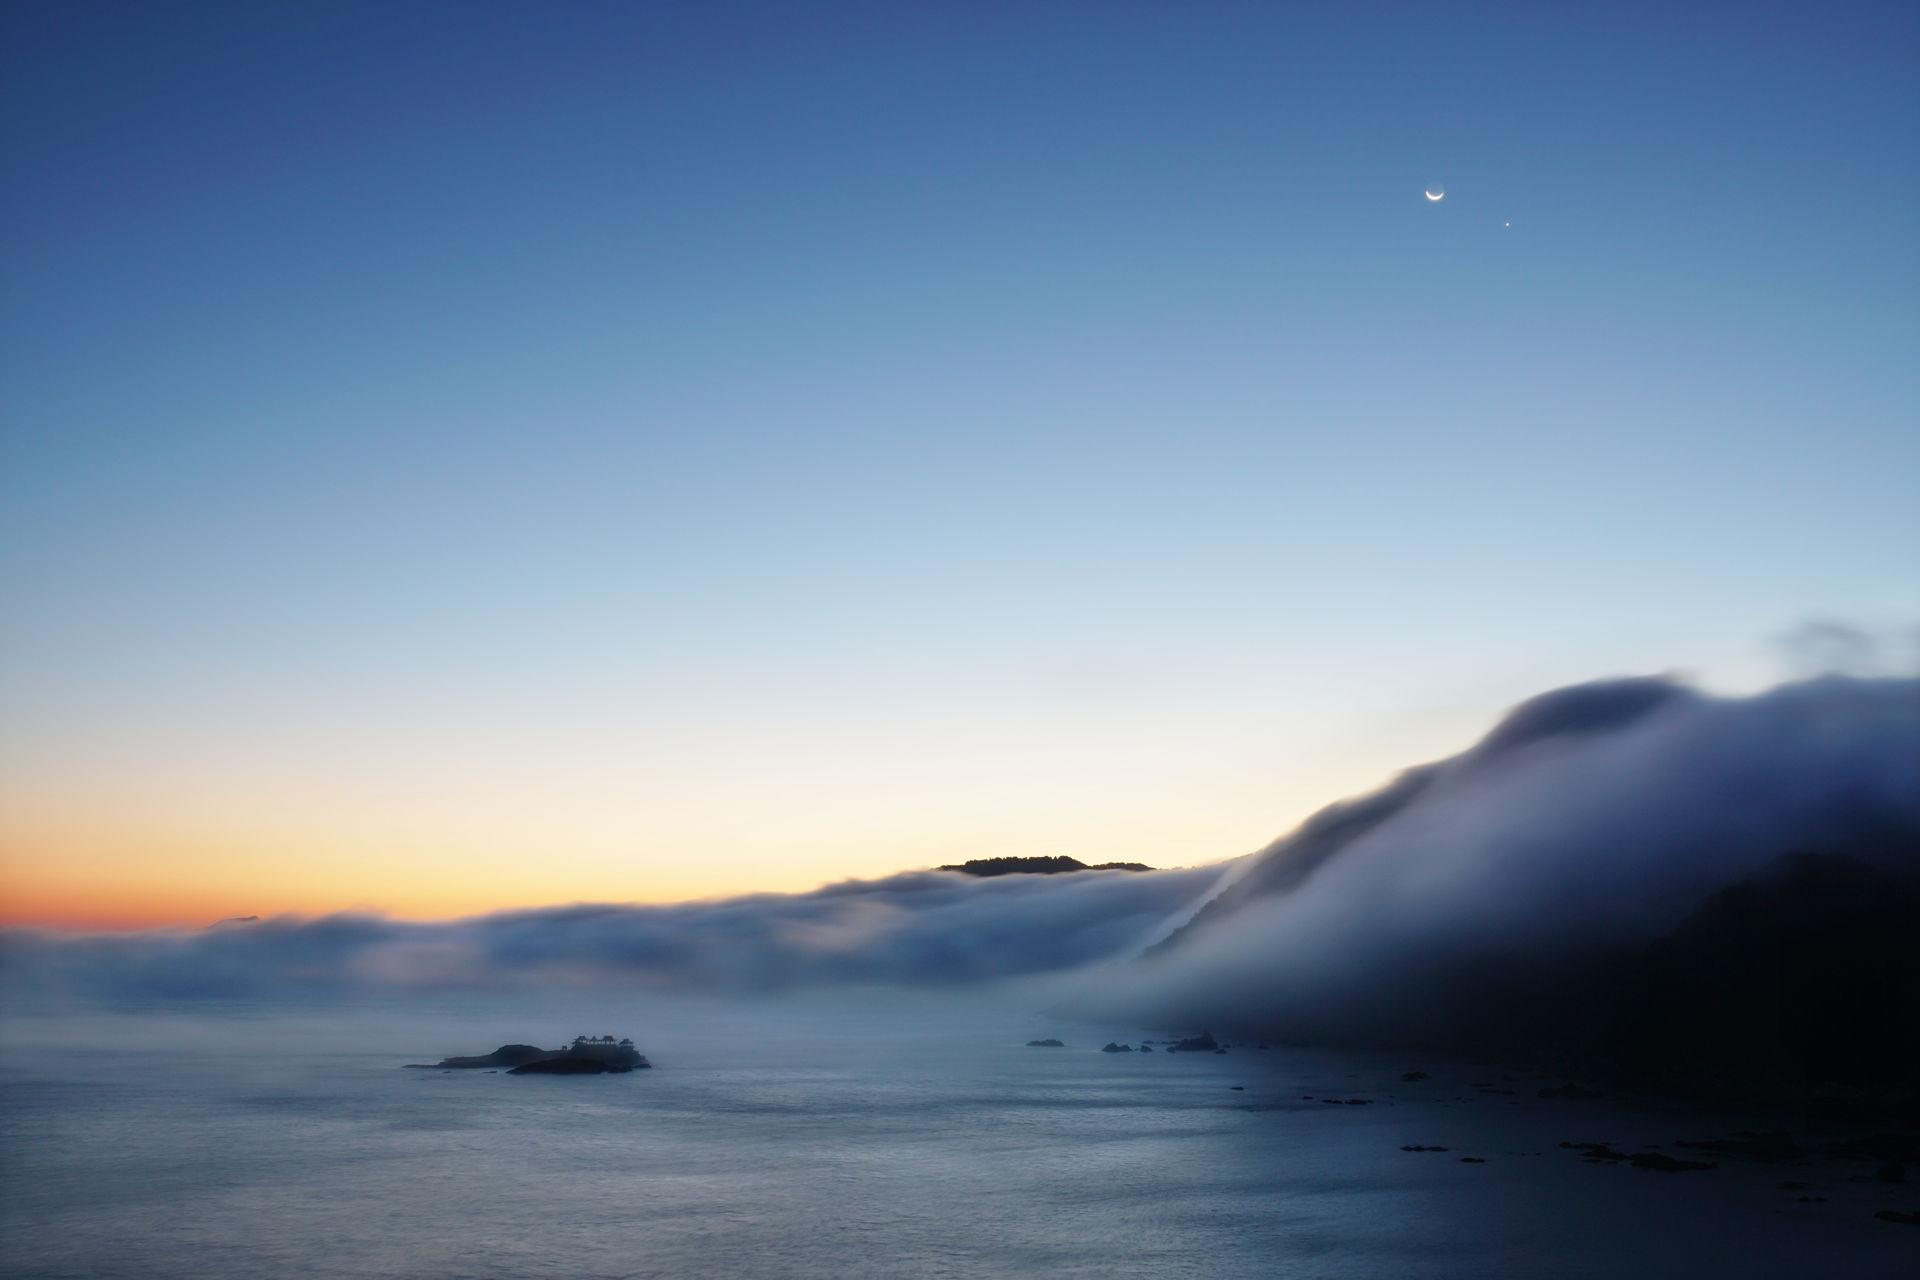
466	456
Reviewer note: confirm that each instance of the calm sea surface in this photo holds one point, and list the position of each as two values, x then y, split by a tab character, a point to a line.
894	1140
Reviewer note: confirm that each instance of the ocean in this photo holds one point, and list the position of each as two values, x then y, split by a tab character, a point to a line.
884	1136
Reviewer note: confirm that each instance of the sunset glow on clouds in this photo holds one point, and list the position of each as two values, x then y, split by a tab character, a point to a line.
452	465
184	842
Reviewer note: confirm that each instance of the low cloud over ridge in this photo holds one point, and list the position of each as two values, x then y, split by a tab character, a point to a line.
1591	821
920	928
1591	818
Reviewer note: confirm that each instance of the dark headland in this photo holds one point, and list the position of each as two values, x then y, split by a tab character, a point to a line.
1796	987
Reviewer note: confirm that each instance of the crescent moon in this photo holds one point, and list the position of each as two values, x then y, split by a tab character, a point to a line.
1441	196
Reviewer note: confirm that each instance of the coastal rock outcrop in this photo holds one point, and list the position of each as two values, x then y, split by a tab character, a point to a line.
587	1055
1202	1043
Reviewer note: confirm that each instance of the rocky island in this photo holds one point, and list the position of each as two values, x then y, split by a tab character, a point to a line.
587	1055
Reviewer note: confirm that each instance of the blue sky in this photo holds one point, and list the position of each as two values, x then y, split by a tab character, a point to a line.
807	440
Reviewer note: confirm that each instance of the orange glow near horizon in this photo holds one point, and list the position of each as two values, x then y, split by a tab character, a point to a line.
136	886
185	843
108	880
93	876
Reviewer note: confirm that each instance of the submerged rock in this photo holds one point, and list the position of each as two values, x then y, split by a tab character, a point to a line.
1594	1151
1046	1044
1660	1163
1751	1146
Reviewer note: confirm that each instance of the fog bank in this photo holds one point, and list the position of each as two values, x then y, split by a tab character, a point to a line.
933	928
1590	821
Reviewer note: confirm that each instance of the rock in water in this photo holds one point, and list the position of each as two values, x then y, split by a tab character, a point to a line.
601	1053
1660	1163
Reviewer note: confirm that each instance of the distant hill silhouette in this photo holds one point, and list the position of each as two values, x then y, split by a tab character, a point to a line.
1036	866
1797	982
1796	985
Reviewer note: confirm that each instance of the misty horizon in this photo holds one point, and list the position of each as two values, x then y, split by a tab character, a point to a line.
1602	808
857	641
